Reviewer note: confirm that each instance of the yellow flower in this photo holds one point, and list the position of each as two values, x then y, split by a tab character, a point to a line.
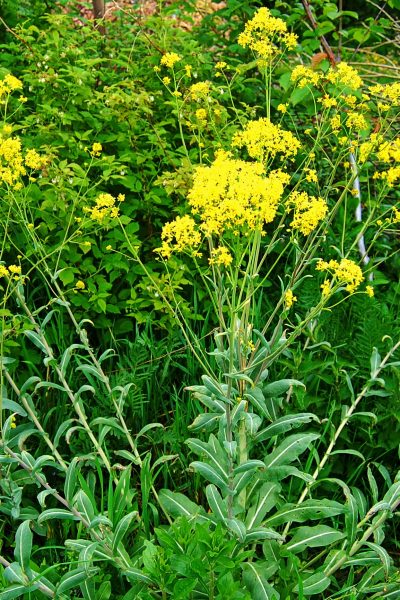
179	235
308	211
23	99
328	101
311	175
326	288
188	70
80	285
335	123
345	272
15	269
369	290
104	208
282	108
289	299
356	121
96	149
109	247
265	140
344	74
201	115
170	59
199	90
262	34
33	160
304	76
166	80
221	256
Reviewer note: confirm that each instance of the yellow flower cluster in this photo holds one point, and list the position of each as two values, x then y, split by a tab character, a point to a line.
263	32
345	272
179	235
201	115
233	194
308	211
12	271
96	149
344	74
9	84
304	76
369	146
220	256
199	90
390	91
104	208
289	299
169	59
265	140
33	160
389	151
356	121
391	176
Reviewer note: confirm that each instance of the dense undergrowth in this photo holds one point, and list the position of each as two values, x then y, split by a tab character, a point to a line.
200	194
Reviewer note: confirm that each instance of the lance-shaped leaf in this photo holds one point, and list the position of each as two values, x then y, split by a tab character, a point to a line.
383	556
74	578
257	400
313	537
23	544
56	513
178	505
290	449
309	510
210	474
259	534
256	582
17	590
217	503
205	422
266	499
213	452
313	584
284	424
122	528
278	388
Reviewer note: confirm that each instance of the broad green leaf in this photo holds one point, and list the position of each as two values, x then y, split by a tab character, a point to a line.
256	582
313	537
290	449
266	499
307	511
284	424
373	575
23	545
253	423
313	584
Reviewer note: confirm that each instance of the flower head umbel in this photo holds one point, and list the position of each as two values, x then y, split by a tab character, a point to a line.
104	208
345	272
308	211
263	33
264	140
170	59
